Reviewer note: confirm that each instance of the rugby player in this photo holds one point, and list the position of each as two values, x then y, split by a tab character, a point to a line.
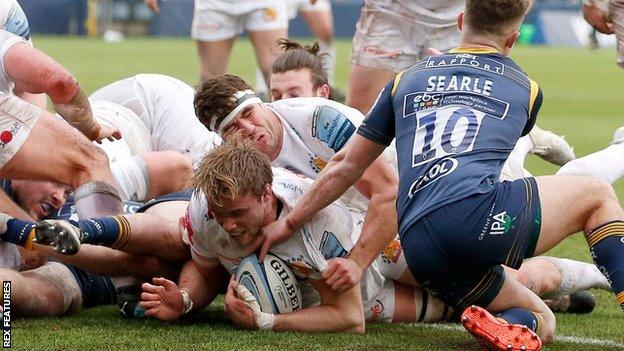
457	176
236	193
216	23
607	17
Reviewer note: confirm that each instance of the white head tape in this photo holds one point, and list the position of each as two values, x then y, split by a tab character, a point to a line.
243	99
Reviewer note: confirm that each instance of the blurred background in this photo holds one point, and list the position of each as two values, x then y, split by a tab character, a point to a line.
550	22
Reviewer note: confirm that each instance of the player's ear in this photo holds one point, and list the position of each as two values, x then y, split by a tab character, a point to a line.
268	191
460	21
511	39
323	91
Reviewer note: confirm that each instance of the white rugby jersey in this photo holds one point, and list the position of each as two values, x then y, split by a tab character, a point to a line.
7	40
331	233
165	109
314	130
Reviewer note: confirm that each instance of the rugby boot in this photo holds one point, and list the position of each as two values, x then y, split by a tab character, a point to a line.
551	147
61	235
494	334
579	302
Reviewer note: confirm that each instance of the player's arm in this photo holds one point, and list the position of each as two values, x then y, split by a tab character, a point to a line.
165	300
41	74
343	170
341	312
535	103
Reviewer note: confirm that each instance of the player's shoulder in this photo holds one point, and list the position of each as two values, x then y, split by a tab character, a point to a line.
306	108
289	186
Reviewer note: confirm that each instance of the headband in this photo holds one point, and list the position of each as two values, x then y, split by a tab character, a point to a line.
243	99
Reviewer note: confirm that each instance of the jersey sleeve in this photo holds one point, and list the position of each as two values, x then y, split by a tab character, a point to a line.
378	126
333	125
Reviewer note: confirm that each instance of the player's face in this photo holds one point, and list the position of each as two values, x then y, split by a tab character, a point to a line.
39	198
261	126
243	217
295	83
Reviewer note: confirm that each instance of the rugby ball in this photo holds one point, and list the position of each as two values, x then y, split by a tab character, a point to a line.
271	282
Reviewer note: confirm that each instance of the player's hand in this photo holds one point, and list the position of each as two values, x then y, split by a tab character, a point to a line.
342	274
597	18
108	132
162	300
239	312
272	233
152	4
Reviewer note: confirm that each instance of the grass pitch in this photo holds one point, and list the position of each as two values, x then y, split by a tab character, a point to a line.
583	100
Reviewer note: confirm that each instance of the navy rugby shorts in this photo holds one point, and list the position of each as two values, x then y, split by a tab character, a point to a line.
457	251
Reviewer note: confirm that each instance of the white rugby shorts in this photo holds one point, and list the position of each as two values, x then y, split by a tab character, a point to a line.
17	119
215	20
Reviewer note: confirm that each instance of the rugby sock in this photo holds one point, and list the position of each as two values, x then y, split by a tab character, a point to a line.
113	231
19	232
606	244
329	60
520	316
577	276
606	164
97	199
431	309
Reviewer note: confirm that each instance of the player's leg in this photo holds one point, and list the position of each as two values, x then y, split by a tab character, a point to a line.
517	309
214	31
606	164
151	174
380	49
109	262
320	20
412	304
590	205
139	233
616	11
550	277
55	151
265	26
50	290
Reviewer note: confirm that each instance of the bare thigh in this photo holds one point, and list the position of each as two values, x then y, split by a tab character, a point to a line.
321	23
213	57
364	86
267	50
572	203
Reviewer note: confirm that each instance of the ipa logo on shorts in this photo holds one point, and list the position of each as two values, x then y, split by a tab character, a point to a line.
501	223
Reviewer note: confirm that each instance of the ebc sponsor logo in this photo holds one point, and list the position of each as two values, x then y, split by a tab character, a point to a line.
419	101
440	169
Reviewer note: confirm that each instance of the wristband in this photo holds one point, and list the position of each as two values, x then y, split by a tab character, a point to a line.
188	303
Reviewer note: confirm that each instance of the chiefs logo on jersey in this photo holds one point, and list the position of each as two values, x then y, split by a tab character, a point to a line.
185	226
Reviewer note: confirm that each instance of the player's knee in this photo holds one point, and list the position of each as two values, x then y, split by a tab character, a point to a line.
603	191
325	34
89	165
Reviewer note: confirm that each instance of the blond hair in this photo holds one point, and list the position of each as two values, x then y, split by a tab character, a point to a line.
231	170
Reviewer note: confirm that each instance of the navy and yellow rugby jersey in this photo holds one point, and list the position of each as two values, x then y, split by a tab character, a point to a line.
456	117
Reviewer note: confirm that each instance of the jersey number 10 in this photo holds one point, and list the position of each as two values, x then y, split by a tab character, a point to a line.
445	131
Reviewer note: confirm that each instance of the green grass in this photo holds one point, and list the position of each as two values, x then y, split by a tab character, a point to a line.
583	100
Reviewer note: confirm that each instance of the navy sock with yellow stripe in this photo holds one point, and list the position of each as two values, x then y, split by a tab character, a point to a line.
112	231
19	232
606	244
520	316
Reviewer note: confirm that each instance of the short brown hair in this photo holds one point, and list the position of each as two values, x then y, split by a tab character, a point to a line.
494	16
232	169
215	97
297	56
